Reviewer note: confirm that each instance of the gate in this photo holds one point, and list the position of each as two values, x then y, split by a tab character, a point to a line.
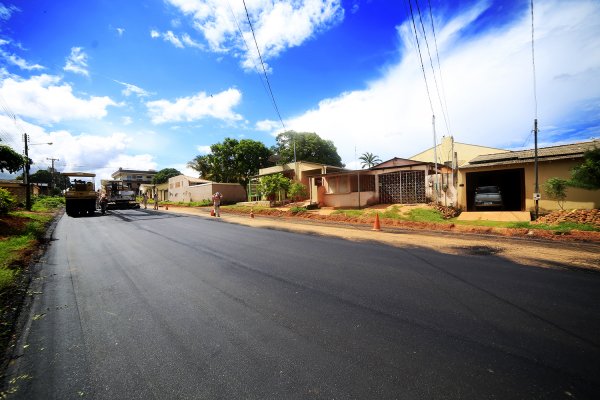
402	187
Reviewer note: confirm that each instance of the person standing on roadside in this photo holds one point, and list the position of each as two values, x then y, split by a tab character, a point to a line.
156	200
145	200
217	203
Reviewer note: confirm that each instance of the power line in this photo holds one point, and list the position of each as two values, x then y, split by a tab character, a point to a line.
262	82
263	66
420	56
439	66
431	63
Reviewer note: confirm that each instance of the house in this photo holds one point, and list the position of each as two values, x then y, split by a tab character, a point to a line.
396	181
454	154
514	173
300	171
132	179
184	188
150	188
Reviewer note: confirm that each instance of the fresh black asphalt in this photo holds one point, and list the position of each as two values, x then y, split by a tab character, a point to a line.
145	305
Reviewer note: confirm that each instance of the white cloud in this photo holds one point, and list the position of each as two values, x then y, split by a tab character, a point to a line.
133	89
47	100
16	60
79	152
191	42
170	37
77	62
154	34
120	31
204	150
487	82
267	125
126	121
6	12
196	107
278	25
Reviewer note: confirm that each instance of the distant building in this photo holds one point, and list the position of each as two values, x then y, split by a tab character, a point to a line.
132	179
187	189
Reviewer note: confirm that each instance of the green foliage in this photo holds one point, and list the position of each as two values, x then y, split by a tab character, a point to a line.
297	210
232	161
309	147
10	160
369	160
163	175
272	184
297	191
587	174
349	213
425	215
41	176
47	203
556	189
7	201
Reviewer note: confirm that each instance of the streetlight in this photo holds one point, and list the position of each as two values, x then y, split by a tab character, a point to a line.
27	187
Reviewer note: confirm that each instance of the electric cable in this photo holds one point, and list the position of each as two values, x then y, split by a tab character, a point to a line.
449	126
263	66
432	67
420	56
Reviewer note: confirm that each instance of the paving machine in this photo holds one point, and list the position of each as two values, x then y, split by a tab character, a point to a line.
80	197
119	196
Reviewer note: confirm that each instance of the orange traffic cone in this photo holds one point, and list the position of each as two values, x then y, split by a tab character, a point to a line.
166	206
251	213
376	226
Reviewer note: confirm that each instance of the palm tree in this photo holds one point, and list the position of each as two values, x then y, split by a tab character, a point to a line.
369	160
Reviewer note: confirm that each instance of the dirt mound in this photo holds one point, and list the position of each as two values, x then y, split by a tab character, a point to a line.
576	216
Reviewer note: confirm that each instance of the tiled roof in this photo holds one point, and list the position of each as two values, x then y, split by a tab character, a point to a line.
574	150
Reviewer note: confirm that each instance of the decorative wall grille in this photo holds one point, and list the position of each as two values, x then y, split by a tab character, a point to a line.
403	187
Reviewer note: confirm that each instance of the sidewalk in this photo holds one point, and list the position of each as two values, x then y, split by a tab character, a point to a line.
522	251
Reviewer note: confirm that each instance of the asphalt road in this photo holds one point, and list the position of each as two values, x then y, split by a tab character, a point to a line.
146	305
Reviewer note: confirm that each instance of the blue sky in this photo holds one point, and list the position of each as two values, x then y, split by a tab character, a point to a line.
150	84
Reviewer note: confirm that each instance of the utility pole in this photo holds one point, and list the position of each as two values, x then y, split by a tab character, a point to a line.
26	175
52	181
536	190
435	161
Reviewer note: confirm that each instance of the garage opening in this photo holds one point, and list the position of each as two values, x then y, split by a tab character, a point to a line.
510	181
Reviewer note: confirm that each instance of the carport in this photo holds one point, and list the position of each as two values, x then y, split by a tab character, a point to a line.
510	181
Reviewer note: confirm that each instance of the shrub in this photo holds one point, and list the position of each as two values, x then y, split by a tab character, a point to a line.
43	203
7	201
297	191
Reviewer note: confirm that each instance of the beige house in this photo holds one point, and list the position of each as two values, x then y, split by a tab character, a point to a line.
184	188
513	172
396	181
300	171
149	189
454	154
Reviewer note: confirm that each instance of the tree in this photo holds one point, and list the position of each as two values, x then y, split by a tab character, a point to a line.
164	174
270	185
202	164
297	191
10	160
309	147
587	174
250	157
41	176
556	189
232	161
369	160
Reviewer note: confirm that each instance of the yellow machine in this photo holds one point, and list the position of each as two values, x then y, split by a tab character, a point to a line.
80	197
